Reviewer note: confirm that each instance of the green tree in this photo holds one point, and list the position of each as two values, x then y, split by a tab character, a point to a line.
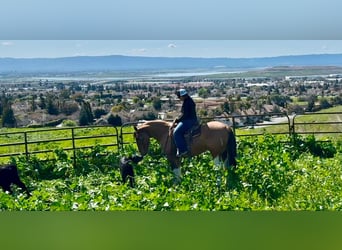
225	107
33	103
156	103
114	120
99	112
280	100
324	103
86	115
68	108
203	92
51	106
311	103
8	119
42	102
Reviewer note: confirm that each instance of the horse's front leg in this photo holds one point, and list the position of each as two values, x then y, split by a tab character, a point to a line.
175	166
177	176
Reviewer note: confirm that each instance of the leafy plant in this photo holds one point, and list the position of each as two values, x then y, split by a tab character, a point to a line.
273	174
265	166
309	144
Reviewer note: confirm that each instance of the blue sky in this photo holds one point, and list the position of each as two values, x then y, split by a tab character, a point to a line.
170	19
167	48
191	28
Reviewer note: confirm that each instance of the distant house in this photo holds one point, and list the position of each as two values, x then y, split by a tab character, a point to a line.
162	115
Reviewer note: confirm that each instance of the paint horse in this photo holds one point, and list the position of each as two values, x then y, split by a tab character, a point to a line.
215	137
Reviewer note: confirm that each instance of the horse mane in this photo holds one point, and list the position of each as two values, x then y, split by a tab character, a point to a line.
154	123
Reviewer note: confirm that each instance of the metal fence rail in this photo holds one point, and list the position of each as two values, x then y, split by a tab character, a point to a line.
259	121
286	124
313	124
45	141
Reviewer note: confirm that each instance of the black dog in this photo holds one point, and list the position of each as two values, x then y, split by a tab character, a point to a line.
8	176
126	168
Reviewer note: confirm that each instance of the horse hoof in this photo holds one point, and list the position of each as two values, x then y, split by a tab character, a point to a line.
176	182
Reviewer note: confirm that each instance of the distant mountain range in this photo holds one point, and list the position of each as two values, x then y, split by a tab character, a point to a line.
134	63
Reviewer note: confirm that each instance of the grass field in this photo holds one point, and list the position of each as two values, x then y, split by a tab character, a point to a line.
325	123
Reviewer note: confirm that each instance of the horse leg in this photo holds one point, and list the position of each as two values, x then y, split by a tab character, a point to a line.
232	177
175	165
229	157
177	176
218	169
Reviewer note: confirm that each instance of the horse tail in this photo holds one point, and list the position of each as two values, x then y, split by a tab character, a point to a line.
231	148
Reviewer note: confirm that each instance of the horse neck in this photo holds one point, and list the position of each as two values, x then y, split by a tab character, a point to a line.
158	130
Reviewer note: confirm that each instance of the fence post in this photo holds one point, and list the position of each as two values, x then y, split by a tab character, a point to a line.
289	123
293	131
26	145
73	145
120	139
234	125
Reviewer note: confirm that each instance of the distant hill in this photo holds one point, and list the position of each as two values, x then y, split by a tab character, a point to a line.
134	63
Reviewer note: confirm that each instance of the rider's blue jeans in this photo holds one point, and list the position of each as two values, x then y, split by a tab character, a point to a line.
178	134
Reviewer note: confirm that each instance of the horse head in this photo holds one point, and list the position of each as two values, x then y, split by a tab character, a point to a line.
142	139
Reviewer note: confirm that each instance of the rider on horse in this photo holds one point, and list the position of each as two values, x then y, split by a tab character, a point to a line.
184	122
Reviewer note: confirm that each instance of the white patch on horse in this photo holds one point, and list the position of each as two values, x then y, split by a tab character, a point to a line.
217	161
218	166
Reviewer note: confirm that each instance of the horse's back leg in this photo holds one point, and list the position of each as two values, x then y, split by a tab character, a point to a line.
231	149
232	177
218	168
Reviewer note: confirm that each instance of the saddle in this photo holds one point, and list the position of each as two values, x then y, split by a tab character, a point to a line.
192	133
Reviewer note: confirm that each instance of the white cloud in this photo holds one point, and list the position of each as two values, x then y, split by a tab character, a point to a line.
138	51
172	45
6	43
142	50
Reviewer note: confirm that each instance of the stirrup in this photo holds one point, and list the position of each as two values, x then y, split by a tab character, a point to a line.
179	155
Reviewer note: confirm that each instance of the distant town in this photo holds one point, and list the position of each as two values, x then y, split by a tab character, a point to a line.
47	101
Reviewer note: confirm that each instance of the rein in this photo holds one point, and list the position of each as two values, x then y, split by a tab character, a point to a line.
167	138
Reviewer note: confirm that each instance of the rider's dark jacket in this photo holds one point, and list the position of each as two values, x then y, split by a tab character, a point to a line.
188	111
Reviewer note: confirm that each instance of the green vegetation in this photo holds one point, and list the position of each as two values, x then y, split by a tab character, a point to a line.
301	174
280	72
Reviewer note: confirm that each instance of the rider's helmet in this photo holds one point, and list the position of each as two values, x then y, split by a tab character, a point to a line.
181	92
